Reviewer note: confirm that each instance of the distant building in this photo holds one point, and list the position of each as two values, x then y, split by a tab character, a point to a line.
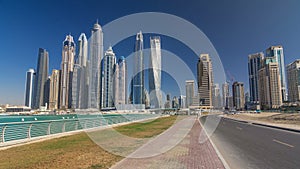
29	88
41	79
216	96
182	101
190	92
293	77
205	80
277	53
67	67
175	103
254	61
168	101
54	90
225	94
270	93
229	101
238	95
109	63
120	82
155	73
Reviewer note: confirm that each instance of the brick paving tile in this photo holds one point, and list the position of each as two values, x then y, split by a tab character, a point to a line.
187	154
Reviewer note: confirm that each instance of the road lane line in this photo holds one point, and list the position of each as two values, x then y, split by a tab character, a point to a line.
239	128
286	144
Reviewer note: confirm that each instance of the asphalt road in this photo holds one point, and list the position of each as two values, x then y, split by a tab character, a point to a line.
245	145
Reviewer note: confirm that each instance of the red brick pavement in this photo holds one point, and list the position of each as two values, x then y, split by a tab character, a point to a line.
188	154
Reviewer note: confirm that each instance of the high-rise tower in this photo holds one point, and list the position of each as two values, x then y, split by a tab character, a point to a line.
293	76
277	53
54	90
225	94
121	82
29	87
270	93
80	76
238	95
190	92
67	66
94	64
41	79
109	62
155	73
205	80
254	61
138	93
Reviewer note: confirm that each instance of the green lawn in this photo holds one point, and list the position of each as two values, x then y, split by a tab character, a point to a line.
77	151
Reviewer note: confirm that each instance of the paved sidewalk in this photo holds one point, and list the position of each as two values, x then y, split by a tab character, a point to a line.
189	153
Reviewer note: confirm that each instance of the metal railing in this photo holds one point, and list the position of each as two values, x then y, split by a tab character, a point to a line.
27	130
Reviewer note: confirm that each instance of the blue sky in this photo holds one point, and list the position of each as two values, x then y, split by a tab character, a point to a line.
235	27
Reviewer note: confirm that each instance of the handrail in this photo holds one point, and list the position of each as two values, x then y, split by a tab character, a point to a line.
26	129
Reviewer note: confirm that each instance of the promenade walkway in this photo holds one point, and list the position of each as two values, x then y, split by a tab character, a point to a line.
180	147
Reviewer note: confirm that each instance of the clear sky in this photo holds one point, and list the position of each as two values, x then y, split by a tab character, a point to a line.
236	28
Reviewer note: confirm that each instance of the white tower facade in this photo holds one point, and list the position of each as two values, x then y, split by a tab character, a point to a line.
155	73
94	64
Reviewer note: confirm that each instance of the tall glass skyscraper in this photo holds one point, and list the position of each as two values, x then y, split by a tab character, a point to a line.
277	52
205	80
30	76
109	62
121	82
254	64
41	79
138	95
94	66
80	76
67	67
155	73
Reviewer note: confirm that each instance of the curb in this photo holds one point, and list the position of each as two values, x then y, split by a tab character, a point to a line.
225	164
264	125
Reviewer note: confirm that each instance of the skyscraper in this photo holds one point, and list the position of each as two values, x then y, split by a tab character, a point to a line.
54	90
225	94
155	73
80	76
205	80
277	53
29	87
109	62
238	95
182	101
190	93
138	93
67	67
254	61
41	78
293	77
94	64
270	93
216	96
120	82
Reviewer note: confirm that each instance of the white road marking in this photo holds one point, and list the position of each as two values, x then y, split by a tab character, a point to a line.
239	128
286	144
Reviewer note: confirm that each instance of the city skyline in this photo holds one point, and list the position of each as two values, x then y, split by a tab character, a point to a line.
13	88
